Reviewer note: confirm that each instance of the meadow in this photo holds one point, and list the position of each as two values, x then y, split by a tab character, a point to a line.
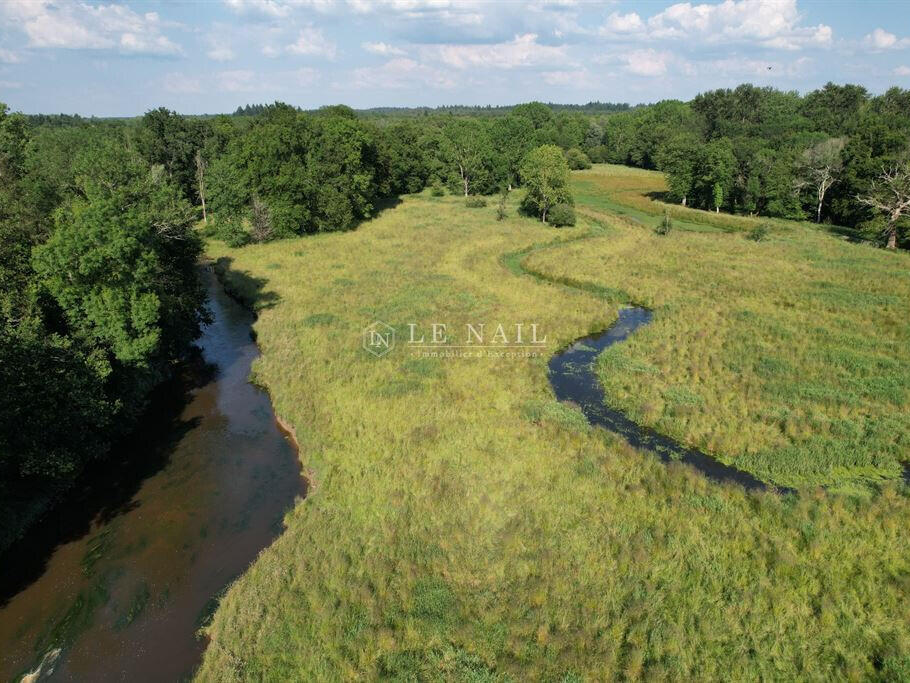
462	525
788	357
635	194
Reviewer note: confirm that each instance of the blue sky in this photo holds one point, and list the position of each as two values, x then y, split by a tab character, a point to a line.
123	58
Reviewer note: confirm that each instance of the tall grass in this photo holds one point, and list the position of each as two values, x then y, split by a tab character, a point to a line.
463	526
788	357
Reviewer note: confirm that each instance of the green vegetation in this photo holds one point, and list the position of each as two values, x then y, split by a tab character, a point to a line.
761	151
794	346
98	295
464	526
461	524
545	174
561	215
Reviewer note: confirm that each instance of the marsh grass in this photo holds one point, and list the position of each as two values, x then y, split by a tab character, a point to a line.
797	347
463	526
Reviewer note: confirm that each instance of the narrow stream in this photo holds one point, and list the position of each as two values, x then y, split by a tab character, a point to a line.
573	379
114	585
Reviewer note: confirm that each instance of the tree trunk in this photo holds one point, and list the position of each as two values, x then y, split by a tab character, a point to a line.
543	215
818	213
684	200
892	236
200	179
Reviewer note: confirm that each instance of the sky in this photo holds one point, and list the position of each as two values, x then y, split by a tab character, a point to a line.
210	56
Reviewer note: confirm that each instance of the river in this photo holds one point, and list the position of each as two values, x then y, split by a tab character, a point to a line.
115	583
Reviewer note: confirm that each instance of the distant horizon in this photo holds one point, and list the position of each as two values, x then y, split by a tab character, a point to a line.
417	107
119	59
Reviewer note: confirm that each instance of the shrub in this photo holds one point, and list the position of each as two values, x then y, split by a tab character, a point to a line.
599	154
475	202
665	225
577	159
760	233
501	205
437	190
561	215
230	229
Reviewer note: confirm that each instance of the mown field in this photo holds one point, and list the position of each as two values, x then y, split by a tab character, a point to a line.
635	193
461	525
788	357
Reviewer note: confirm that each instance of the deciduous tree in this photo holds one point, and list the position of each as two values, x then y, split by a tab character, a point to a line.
545	174
890	196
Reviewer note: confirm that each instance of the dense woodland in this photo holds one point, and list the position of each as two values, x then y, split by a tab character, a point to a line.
98	218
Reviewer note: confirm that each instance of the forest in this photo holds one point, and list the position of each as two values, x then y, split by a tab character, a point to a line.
102	222
824	157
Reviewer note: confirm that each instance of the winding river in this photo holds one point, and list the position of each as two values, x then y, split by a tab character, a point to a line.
573	378
115	584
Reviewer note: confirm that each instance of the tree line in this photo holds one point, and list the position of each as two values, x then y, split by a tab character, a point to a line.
837	154
282	172
98	295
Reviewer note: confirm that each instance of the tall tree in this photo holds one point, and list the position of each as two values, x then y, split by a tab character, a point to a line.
166	138
466	146
121	264
821	168
890	195
545	174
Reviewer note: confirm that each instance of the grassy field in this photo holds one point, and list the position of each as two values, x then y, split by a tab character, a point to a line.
463	526
634	193
789	357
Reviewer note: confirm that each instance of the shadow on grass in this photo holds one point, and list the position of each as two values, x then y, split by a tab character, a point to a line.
240	285
659	196
381	207
849	234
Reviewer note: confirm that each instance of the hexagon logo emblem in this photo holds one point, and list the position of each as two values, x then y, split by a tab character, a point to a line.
378	338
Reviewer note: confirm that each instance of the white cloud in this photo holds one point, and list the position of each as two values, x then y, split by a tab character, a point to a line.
767	23
647	62
11	85
304	77
570	78
522	51
880	39
219	51
623	23
902	71
239	80
9	57
310	41
402	73
268	8
382	49
89	27
180	83
739	67
138	43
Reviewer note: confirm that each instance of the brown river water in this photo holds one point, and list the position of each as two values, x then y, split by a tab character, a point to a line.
114	585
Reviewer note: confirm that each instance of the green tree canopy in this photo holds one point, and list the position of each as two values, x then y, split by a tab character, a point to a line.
545	174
